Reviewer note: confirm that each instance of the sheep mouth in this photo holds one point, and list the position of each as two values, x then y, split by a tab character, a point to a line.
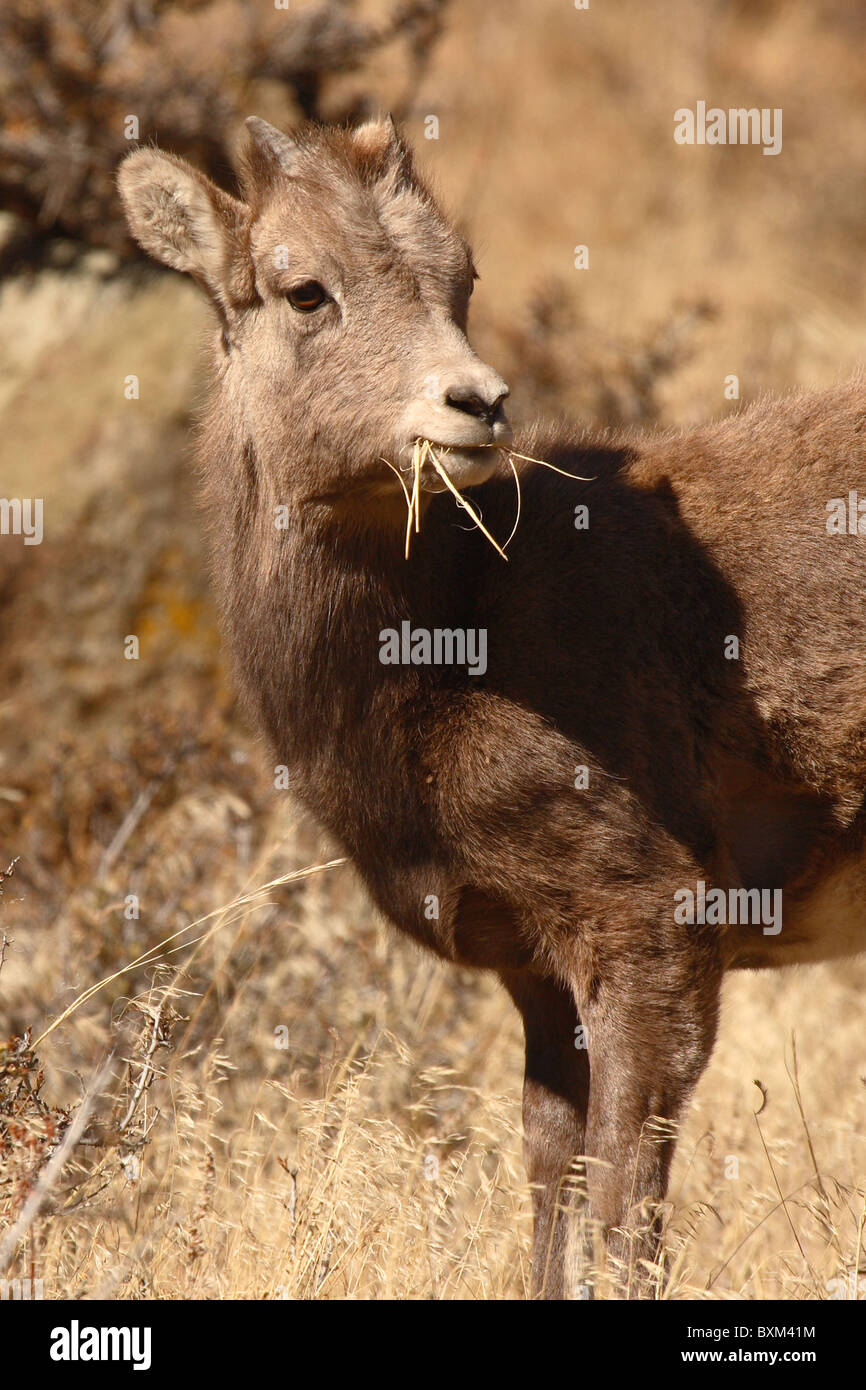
452	469
468	465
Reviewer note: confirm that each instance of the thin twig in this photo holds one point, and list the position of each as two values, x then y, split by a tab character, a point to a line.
783	1200
147	1070
53	1168
126	828
795	1083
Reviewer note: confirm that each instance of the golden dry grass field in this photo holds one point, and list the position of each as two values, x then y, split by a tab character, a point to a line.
297	1103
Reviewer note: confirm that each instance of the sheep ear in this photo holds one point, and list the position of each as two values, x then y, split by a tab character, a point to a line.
183	219
378	143
272	143
377	137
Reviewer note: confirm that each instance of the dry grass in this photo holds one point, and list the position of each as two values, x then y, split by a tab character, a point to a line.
295	1170
437	455
269	1133
422	452
216	1161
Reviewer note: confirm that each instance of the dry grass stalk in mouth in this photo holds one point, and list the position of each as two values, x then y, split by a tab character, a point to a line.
418	455
423	450
427	451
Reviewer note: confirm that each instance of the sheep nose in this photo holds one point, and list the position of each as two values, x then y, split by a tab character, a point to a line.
484	404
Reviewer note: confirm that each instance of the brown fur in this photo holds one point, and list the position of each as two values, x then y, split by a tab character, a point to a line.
606	649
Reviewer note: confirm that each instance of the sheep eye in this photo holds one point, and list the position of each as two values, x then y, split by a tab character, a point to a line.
306	297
